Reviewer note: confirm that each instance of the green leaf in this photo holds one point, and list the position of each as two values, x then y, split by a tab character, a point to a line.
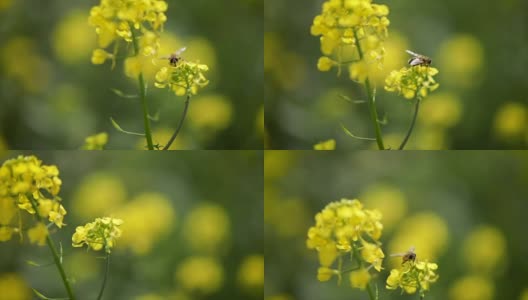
347	99
355	136
116	126
123	95
33	263
46	298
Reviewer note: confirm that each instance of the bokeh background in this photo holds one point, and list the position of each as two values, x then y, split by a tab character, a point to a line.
52	97
480	49
465	211
193	227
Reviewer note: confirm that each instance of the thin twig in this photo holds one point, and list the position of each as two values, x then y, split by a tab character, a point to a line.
105	276
180	125
411	127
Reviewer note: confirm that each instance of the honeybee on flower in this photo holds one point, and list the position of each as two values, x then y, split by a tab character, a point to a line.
174	58
418	59
410	255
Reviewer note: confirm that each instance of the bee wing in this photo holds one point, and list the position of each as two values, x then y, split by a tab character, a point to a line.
398	254
180	51
413	53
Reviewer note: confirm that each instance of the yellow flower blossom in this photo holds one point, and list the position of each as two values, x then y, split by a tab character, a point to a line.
99	234
14	287
200	273
251	272
37	235
96	141
207	228
472	287
413	277
325	145
412	82
28	185
352	32
184	78
360	278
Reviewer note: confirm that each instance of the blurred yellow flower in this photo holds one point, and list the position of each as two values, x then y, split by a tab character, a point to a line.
14	287
287	68
360	278
37	234
95	142
200	274
251	272
395	56
326	273
133	66
277	163
441	110
389	200
32	72
511	120
259	121
210	112
484	250
67	44
150	296
524	294
461	69
207	228
288	216
148	218
325	145
98	194
472	287
84	265
280	297
429	236
5	4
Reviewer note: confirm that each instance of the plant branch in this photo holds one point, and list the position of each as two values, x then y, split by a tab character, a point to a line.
411	127
371	100
360	264
105	276
56	258
180	125
142	95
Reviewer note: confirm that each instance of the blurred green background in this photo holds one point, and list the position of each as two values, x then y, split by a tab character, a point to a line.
52	97
480	49
465	211
193	227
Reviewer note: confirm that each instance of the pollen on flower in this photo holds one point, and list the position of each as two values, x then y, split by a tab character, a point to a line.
412	277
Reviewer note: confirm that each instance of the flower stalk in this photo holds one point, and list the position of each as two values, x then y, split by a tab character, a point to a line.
411	127
107	269
180	124
142	95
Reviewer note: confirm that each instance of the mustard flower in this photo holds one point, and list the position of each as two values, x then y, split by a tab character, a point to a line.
352	31
325	145
115	20
345	227
96	141
412	82
29	186
99	234
413	277
184	77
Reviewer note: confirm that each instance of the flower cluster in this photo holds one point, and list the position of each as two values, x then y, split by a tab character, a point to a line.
114	20
344	227
99	234
184	78
412	277
28	185
412	82
352	32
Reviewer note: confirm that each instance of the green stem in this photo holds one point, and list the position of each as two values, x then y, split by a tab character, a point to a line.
371	100
56	258
408	135
105	276
180	125
142	92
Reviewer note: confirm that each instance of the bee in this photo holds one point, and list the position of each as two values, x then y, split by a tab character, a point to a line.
410	255
418	59
175	57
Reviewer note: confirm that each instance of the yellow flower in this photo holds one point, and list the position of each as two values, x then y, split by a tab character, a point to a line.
5	233
325	273
485	250
373	254
26	184
412	82
412	277
37	235
96	141
210	113
200	273
14	287
511	120
472	287
326	145
360	278
251	272
206	228
99	234
351	30
185	78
